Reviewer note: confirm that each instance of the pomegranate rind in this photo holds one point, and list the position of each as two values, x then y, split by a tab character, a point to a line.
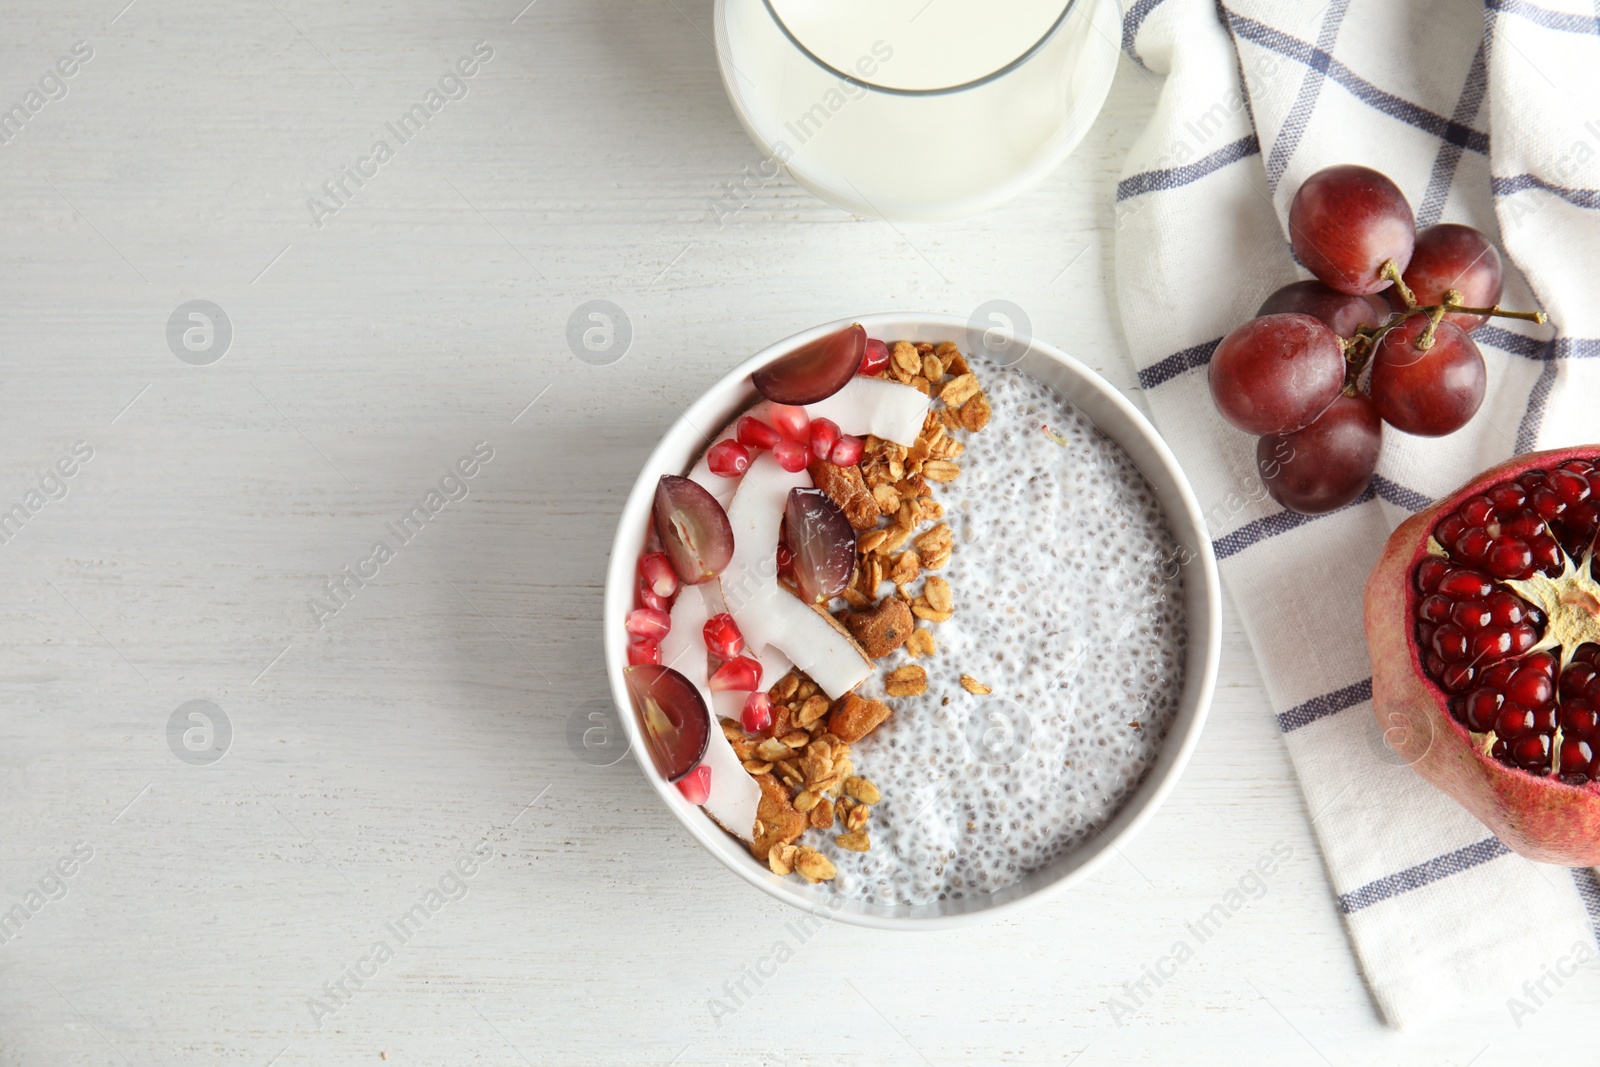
1542	818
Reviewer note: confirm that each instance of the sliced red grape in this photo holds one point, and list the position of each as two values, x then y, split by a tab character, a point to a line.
1428	392
1326	465
814	371
1341	312
673	714
1451	256
1345	221
822	542
693	528
1276	373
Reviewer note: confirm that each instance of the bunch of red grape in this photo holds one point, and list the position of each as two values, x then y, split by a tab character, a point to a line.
1295	374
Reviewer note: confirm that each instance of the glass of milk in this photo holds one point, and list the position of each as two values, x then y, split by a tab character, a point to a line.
916	110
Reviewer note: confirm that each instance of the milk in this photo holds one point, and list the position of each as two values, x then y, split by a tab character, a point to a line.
884	109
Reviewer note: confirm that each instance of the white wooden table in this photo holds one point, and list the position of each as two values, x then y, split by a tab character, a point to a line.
373	748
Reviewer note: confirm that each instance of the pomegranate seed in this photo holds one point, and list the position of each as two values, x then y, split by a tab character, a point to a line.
1546	503
1575	681
1481	708
1530	686
1429	572
649	623
1544	662
1472	615
756	718
656	571
1532	753
792	422
1477	511
723	638
824	435
847	453
740	674
1457	677
1510	559
791	456
1513	721
1576	756
875	358
1465	585
696	785
1499	675
755	434
1577	717
643	652
1525	525
1570	486
785	558
1505	609
728	458
1489	645
1523	637
1508	497
648	598
1474	545
1450	642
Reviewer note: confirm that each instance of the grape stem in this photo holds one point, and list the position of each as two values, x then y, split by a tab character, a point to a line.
1392	272
1358	349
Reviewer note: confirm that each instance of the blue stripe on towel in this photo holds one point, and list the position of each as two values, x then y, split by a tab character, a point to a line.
1543	16
1449	155
1325	705
1422	874
1393	106
1400	495
1172	177
1533	416
1305	101
1130	28
1584	198
1167	369
1270	526
1518	344
1589	892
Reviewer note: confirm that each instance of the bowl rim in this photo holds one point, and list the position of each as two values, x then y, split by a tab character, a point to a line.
707	416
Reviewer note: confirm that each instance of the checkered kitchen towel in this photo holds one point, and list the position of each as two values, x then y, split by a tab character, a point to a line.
1487	117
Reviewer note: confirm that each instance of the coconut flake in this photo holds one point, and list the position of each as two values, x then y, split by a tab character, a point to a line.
875	406
768	614
734	794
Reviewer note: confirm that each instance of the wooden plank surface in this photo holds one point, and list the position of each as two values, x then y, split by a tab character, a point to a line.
425	721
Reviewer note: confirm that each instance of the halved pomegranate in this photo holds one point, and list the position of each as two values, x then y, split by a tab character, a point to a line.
1483	624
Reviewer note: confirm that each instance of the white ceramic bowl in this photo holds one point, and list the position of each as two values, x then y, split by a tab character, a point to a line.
1119	420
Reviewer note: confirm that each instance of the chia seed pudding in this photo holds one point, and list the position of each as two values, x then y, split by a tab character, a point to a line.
1069	608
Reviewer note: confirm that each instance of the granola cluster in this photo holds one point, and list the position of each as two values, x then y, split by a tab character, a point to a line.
802	763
